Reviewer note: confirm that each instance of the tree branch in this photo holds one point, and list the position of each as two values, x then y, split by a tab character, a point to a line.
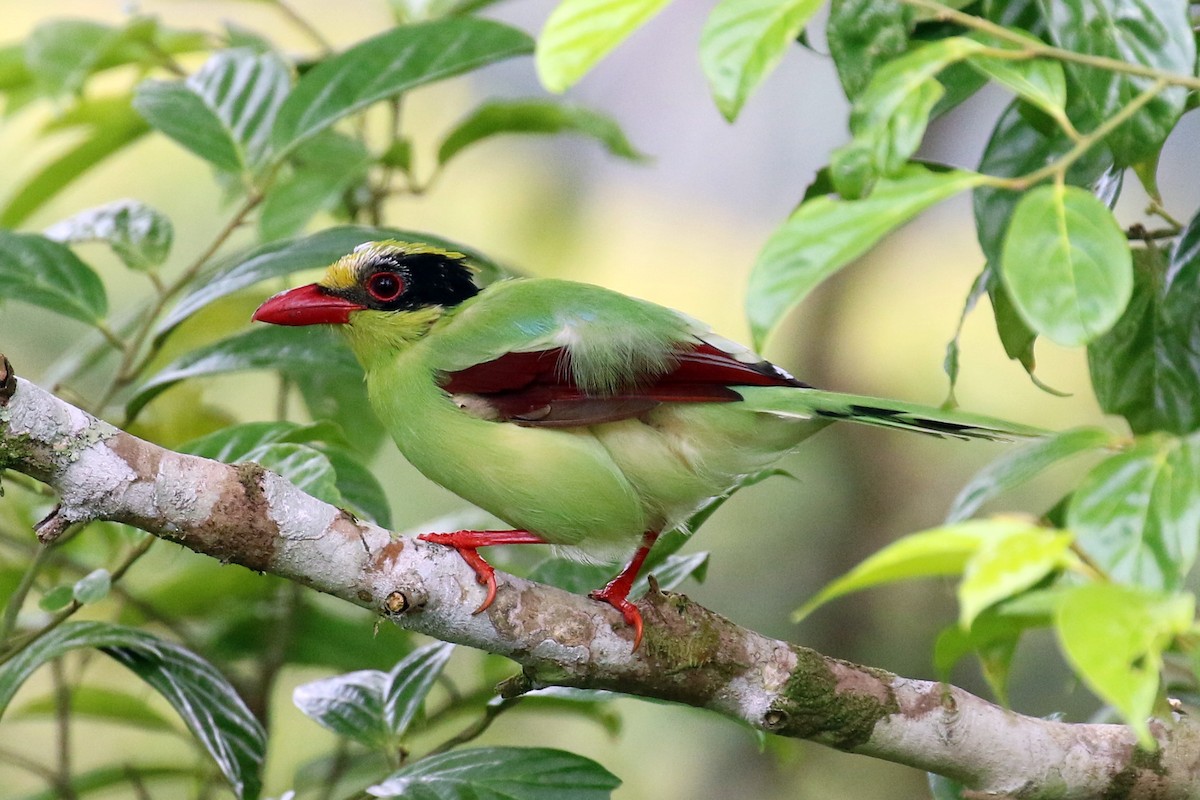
247	515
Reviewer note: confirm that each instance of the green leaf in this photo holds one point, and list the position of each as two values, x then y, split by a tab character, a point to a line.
111	125
122	775
139	235
224	112
350	705
888	119
106	705
1008	565
60	54
534	116
673	571
1145	367
1114	637
1022	464
37	270
323	169
1066	264
358	485
743	40
301	352
826	233
278	259
57	598
500	773
863	35
387	65
1017	147
1039	81
943	788
938	551
93	587
409	683
1147	33
371	707
209	706
578	33
1137	513
306	467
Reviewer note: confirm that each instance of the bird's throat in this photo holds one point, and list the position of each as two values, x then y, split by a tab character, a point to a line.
378	335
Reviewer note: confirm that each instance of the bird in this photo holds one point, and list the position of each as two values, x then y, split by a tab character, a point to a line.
582	417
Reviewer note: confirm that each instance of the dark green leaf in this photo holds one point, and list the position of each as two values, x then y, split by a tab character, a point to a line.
943	788
224	112
1022	464
409	683
672	571
57	598
277	259
139	235
743	40
356	484
306	352
323	635
1038	81
60	54
889	118
579	33
826	233
1148	33
863	35
387	65
306	467
37	270
111	125
1017	147
572	576
209	706
359	486
1066	264
1137	514
501	773
324	168
533	116
350	705
1114	636
1147	368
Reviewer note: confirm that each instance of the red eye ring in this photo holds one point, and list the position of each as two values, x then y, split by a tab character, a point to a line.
385	286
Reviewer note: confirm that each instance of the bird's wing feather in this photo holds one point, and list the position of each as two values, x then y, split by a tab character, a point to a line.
538	388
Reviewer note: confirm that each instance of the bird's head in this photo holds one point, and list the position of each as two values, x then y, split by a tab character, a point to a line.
384	295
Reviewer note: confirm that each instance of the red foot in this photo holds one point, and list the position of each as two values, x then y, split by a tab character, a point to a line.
465	543
616	591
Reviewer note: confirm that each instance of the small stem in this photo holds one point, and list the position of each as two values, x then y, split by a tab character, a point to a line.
949	14
303	24
1059	167
490	712
17	599
62	720
110	336
62	616
29	765
130	366
1157	210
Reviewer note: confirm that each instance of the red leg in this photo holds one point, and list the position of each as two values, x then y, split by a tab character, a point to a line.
465	543
616	591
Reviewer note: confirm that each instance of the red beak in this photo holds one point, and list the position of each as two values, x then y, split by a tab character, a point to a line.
307	305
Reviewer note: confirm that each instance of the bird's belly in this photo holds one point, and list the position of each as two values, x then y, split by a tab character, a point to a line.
679	455
560	484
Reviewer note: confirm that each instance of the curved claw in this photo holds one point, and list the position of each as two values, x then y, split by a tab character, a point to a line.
633	617
484	572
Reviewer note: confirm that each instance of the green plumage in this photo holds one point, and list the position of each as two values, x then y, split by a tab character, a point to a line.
587	418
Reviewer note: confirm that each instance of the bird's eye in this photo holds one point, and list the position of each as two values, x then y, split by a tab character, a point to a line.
385	286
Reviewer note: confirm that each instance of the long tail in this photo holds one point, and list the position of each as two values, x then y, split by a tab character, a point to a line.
816	404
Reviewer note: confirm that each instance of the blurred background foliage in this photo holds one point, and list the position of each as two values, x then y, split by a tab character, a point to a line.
681	227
